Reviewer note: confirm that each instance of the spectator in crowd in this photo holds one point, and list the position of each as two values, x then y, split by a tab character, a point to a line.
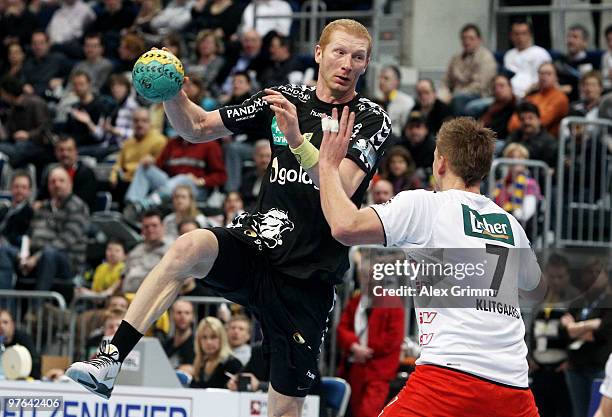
587	328
382	191
68	25
86	118
27	126
257	370
107	276
112	320
524	59
58	234
517	192
84	182
397	103
213	356
400	170
498	114
578	60
145	255
238	336
249	59
470	72
237	148
551	101
16	23
262	8
434	110
172	18
145	145
14	224
606	59
209	60
418	140
95	64
44	70
183	207
11	336
116	16
196	165
119	124
531	134
221	16
15	58
180	347
547	349
148	10
233	206
591	89
131	46
285	67
252	179
370	340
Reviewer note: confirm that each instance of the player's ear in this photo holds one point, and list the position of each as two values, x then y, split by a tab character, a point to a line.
318	53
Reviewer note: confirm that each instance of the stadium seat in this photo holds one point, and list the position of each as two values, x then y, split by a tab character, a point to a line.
595	397
336	393
113	225
104	199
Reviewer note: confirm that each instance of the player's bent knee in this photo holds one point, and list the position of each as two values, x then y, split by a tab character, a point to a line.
194	248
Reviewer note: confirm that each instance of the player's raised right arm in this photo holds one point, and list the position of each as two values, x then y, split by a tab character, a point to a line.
192	122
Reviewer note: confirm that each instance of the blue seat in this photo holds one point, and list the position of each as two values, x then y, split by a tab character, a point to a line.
595	397
336	392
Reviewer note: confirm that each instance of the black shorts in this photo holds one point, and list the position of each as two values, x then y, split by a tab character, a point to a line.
293	313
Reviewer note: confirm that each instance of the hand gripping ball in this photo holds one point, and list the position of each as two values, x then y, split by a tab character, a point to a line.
158	75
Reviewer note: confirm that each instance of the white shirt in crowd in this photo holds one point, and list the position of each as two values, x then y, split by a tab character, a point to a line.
486	342
525	66
606	387
69	21
281	25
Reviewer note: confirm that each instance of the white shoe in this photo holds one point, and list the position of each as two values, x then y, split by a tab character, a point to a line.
98	375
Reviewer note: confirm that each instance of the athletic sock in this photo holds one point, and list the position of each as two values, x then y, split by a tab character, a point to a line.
125	339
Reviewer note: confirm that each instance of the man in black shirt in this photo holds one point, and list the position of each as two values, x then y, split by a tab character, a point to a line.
281	260
179	347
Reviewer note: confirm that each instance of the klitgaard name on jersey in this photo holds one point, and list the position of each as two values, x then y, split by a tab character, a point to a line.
245	113
296	91
497	307
283	176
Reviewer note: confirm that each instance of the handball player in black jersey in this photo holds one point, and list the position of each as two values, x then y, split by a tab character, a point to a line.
280	260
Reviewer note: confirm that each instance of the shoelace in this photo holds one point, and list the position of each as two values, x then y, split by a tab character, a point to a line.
103	360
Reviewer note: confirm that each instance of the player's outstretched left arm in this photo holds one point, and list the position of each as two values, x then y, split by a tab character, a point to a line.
349	225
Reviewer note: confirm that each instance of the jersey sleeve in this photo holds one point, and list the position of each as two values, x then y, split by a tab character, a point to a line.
529	269
407	218
370	133
249	117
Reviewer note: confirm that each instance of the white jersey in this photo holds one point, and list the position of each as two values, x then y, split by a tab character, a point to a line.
606	387
487	342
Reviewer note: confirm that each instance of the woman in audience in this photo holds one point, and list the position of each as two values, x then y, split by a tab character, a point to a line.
209	61
399	169
14	62
213	356
233	206
148	10
184	207
517	192
119	124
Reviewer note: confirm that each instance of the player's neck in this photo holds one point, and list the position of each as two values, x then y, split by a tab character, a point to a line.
326	95
457	183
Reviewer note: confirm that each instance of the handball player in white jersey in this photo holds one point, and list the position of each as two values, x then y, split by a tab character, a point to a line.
605	406
473	361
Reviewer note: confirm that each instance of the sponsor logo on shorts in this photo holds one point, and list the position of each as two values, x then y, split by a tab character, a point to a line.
495	226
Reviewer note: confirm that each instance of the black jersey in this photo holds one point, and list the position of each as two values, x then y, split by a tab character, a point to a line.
287	223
